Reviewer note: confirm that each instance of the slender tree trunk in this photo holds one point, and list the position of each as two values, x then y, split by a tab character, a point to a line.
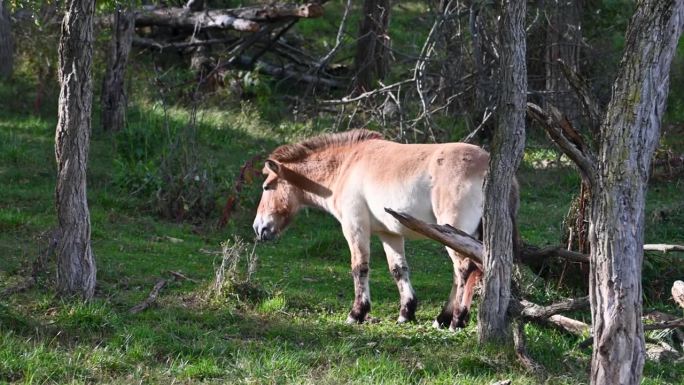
75	263
114	98
507	149
630	134
371	59
6	42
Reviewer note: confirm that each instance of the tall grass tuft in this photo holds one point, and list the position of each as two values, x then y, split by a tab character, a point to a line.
234	275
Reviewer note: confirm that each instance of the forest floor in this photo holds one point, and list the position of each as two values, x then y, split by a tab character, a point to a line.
287	324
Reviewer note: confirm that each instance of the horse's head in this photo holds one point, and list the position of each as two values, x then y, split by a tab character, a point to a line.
280	201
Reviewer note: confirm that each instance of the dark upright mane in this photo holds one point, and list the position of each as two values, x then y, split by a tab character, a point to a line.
299	151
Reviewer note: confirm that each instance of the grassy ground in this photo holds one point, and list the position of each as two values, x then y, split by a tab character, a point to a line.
290	328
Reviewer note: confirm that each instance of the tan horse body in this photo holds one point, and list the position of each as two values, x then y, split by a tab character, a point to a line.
356	175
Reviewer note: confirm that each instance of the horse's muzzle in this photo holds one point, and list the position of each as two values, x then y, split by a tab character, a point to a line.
264	233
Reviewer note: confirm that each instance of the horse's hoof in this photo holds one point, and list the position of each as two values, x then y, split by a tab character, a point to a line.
436	324
352	321
455	329
402	320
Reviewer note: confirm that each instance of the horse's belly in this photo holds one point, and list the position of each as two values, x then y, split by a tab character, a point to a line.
409	198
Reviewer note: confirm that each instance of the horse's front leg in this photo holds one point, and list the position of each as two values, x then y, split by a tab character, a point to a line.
358	238
394	250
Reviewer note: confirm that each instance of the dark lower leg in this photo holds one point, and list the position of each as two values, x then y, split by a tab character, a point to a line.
409	303
361	306
462	310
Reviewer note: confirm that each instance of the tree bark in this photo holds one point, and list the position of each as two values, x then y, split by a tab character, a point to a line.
114	98
6	42
372	50
630	133
507	149
75	263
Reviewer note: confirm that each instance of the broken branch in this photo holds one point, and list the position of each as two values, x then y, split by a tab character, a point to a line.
151	299
568	140
591	108
447	235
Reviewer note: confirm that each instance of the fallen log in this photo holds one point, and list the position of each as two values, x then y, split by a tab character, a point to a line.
248	19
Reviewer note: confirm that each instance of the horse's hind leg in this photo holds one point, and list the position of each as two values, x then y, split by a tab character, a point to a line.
452	313
394	250
472	275
358	239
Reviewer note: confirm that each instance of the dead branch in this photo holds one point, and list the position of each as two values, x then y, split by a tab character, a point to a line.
532	253
151	299
248	19
367	94
591	108
663	247
570	325
178	276
521	348
568	140
179	46
447	235
532	310
675	323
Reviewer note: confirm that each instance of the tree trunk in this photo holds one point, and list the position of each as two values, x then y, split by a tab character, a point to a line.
75	262
507	149
114	98
630	133
563	38
372	50
6	42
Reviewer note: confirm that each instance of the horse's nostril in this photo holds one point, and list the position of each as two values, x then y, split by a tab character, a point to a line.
266	233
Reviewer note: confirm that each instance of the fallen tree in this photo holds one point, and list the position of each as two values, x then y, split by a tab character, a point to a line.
247	19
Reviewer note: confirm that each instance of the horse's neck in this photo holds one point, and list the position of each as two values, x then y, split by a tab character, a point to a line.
324	170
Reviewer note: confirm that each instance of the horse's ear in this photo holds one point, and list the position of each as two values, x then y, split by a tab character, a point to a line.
273	166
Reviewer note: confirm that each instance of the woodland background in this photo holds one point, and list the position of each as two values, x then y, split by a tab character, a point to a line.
173	190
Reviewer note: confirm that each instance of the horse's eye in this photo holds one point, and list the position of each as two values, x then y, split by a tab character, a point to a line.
267	187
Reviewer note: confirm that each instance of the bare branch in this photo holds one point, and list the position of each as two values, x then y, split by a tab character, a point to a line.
567	139
367	94
532	310
663	247
590	108
151	299
447	235
531	253
521	349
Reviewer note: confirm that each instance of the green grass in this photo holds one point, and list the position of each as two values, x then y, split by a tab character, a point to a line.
292	329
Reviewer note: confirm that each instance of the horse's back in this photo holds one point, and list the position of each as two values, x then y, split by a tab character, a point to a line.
437	183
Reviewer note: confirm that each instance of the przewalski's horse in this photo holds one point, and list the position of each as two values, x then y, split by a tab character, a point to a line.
354	176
